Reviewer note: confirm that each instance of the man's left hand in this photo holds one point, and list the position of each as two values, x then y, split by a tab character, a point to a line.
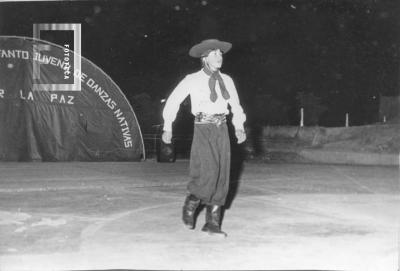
240	135
167	137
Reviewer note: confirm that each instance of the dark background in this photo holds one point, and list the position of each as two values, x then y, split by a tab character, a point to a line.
330	57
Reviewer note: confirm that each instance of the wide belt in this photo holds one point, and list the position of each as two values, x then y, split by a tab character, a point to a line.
203	118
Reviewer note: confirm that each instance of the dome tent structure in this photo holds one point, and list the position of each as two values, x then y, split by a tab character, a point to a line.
52	109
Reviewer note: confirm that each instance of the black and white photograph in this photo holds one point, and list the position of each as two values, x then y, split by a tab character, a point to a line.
200	135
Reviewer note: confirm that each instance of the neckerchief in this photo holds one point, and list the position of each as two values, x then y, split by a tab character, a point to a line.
214	77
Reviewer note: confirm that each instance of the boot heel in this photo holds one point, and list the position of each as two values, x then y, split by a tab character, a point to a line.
189	211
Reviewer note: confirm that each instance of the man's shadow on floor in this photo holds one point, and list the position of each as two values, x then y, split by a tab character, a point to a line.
238	156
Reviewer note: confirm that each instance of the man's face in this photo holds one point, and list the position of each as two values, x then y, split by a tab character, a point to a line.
214	59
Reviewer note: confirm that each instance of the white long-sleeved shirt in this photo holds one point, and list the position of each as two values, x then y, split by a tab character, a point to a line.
196	85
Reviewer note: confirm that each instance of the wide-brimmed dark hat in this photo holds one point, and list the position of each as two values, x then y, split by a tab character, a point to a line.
205	46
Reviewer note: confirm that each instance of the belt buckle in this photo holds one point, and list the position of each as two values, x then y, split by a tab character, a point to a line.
219	120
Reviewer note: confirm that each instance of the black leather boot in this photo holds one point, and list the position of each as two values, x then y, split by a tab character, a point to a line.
213	221
189	211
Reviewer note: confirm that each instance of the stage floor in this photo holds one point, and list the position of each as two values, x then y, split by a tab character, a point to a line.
87	216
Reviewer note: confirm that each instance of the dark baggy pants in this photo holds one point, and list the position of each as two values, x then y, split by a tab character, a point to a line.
210	163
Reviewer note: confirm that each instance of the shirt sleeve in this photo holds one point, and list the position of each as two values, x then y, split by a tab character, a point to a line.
173	102
238	115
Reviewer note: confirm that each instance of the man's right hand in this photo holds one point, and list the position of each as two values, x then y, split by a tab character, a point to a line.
166	137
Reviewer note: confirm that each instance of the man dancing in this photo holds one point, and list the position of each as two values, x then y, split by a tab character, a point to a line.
210	92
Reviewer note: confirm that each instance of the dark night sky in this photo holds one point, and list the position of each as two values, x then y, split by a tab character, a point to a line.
346	53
